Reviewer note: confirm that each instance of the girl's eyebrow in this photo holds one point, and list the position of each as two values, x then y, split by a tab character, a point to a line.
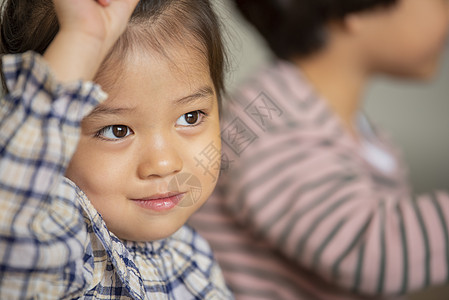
204	92
104	110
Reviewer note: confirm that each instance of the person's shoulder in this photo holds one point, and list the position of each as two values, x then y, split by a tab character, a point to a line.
276	87
190	240
276	102
269	76
204	268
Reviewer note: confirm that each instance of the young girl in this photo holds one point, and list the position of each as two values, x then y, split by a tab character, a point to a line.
95	188
316	204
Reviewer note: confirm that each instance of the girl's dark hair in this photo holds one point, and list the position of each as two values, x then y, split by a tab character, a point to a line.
298	27
32	25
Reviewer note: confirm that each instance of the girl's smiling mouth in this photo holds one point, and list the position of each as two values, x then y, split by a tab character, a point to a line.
160	202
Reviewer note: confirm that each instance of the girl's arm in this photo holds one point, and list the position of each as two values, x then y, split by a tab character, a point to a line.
43	238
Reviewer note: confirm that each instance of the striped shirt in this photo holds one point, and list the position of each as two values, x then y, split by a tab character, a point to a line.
305	211
53	243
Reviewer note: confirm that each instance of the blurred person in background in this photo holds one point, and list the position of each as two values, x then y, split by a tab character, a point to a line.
314	200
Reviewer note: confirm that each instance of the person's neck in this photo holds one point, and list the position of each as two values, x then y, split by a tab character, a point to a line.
339	80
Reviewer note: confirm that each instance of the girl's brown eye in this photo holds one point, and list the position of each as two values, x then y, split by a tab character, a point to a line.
114	132
191	117
119	131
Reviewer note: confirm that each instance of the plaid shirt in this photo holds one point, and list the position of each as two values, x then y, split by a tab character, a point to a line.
53	243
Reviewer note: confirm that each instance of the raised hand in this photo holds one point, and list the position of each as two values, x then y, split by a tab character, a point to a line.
88	29
104	20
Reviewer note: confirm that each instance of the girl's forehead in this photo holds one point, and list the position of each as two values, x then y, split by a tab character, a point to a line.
173	58
152	75
159	67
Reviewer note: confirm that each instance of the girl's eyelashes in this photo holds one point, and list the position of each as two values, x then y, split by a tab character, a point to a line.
118	132
114	132
190	119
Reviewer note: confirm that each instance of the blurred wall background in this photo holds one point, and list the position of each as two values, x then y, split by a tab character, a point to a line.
416	114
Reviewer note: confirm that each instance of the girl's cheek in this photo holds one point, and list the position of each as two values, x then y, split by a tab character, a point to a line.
207	160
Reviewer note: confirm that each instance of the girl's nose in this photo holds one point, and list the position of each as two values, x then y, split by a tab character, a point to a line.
159	159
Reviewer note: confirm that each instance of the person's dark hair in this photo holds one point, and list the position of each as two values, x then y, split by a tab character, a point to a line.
32	25
297	27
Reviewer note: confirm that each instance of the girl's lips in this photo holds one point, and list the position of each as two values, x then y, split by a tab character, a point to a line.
160	202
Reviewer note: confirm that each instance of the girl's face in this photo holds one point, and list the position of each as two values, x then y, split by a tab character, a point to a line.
149	156
408	38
